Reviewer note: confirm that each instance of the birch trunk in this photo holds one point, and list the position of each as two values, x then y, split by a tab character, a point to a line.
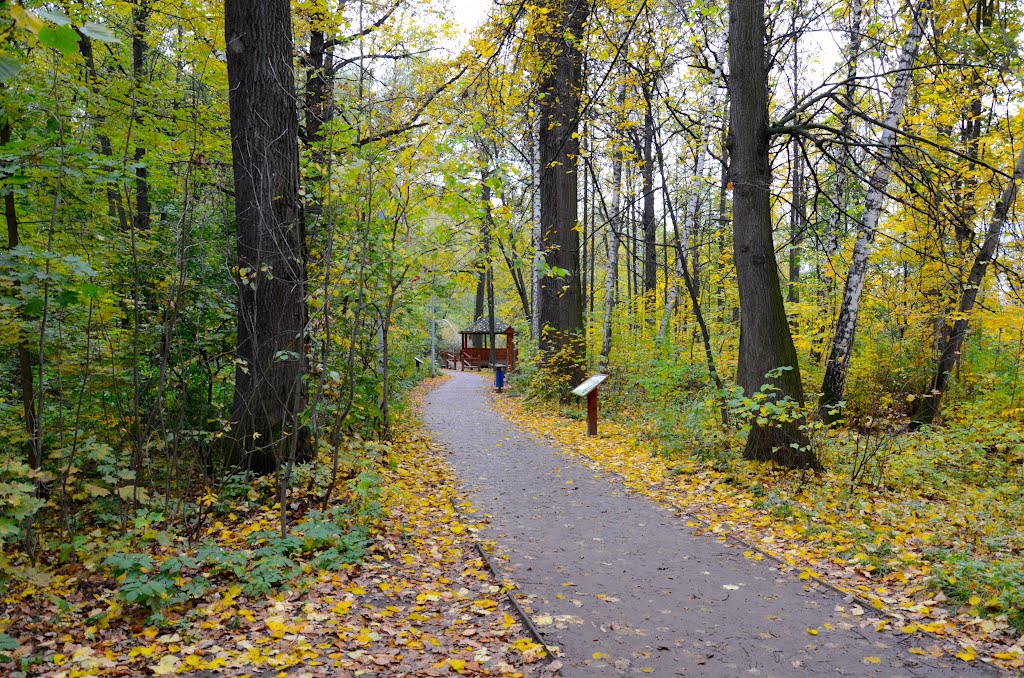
838	218
538	248
614	224
689	218
834	382
647	224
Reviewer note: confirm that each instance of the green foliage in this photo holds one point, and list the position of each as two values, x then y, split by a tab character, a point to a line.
7	646
270	561
18	496
989	588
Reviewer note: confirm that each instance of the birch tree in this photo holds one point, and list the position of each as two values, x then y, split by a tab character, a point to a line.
834	382
690	215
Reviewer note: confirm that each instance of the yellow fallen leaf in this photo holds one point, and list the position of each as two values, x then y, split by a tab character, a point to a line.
167	665
967	654
812	632
916	650
872	660
599	655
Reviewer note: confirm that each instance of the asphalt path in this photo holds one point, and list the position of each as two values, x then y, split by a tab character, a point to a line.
623	587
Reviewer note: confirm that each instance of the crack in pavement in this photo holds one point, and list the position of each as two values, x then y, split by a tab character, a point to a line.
650	596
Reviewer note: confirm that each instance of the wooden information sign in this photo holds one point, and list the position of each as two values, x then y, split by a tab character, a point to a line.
589	385
589	389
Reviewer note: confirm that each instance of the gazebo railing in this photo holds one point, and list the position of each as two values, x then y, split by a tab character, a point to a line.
480	357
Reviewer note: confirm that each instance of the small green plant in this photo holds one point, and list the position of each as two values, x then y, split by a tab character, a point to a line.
989	587
141	582
765	409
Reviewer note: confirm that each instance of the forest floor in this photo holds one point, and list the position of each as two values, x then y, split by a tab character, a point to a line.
632	566
422	602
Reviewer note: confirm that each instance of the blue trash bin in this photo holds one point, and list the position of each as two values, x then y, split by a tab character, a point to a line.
499	377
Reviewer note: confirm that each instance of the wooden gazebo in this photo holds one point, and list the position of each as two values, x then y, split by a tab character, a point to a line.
476	347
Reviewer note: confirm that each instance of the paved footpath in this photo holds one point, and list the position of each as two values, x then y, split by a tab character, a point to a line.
624	588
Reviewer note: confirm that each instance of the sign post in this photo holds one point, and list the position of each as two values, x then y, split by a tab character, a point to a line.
589	389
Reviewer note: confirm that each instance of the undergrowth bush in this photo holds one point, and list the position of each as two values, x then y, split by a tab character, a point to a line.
261	562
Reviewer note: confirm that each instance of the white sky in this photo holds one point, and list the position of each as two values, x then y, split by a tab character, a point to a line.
469	14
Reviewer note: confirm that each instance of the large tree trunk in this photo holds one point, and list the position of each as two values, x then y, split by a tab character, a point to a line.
765	340
561	340
269	388
928	405
833	384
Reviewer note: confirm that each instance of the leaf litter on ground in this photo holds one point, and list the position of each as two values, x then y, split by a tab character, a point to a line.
421	602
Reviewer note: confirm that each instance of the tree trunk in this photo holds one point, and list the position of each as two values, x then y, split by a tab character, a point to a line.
269	388
319	71
515	270
837	222
33	452
929	405
765	340
614	228
690	217
647	216
115	207
479	306
140	15
561	339
797	214
833	384
486	231
538	246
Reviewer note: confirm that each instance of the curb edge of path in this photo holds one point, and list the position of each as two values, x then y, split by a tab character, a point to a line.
527	621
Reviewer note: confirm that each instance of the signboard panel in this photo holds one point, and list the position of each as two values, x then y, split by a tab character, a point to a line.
589	385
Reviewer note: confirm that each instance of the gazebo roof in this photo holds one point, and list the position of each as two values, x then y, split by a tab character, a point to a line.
481	326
